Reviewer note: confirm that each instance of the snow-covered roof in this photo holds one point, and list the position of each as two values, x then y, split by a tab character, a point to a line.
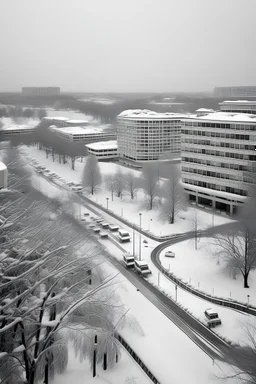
238	102
79	130
17	127
111	144
141	262
225	116
52	118
77	121
204	110
2	166
148	115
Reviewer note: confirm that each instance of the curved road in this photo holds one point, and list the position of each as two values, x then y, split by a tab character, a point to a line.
208	341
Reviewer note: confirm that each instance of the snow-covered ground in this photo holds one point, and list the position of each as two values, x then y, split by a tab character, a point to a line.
202	269
151	221
18	123
80	373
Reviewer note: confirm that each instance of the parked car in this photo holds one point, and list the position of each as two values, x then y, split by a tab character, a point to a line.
169	254
212	318
96	230
103	235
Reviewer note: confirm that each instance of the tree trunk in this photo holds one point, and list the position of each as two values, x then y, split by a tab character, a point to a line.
73	163
46	373
112	195
246	275
105	361
60	159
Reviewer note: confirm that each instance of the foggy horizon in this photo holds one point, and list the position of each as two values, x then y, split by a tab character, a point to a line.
136	47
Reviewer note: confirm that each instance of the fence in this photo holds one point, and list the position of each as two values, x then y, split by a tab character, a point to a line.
137	359
213	299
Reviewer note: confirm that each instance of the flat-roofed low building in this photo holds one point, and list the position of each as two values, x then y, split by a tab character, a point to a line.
16	130
218	158
103	150
204	111
88	133
238	106
236	91
58	121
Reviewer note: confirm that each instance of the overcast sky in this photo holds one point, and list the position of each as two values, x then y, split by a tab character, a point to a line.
127	45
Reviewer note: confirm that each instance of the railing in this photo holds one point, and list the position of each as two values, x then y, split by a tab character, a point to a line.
137	358
213	299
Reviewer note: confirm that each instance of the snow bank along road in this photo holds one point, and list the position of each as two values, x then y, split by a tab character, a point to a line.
209	342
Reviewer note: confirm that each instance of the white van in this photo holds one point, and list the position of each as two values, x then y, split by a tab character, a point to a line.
212	318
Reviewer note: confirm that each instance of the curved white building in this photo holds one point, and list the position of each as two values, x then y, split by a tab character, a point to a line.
144	135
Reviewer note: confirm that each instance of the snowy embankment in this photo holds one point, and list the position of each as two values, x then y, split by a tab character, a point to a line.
18	123
204	270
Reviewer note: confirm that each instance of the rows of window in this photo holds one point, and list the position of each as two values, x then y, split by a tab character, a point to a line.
208	152
215	187
242	127
233	166
213	143
218	175
223	135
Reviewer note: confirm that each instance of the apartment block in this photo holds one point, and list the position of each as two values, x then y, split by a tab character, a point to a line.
218	158
238	106
144	135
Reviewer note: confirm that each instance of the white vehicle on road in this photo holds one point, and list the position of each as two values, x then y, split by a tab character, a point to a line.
123	235
129	260
142	268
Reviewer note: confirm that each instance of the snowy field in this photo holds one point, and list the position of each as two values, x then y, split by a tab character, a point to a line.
205	271
152	221
80	373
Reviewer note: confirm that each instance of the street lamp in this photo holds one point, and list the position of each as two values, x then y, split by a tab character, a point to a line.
149	224
133	240
107	198
140	238
248	300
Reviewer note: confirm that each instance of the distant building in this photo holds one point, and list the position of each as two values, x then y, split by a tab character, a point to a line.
203	111
240	91
103	150
238	106
218	158
5	132
41	91
64	122
79	134
144	135
3	176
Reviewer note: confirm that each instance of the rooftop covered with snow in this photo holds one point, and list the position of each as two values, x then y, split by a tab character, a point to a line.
82	122
204	110
56	118
238	102
2	166
225	116
79	130
146	114
111	144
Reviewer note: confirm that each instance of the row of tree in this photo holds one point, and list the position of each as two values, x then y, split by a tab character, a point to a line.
51	290
17	112
168	193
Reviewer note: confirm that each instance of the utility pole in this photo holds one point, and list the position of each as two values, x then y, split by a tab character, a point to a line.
140	238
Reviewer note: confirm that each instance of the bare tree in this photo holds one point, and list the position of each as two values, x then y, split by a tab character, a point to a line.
194	225
150	184
131	183
173	194
110	184
238	250
91	177
119	182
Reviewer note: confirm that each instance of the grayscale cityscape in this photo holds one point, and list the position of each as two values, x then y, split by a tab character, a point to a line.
128	192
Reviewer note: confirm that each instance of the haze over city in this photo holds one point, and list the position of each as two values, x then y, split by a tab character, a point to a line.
127	46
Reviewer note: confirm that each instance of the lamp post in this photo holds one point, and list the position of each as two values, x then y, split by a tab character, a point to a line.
248	300
140	238
107	198
149	224
133	241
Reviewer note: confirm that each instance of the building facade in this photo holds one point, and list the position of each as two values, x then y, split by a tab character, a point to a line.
218	158
240	91
103	150
41	91
238	106
144	135
83	134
